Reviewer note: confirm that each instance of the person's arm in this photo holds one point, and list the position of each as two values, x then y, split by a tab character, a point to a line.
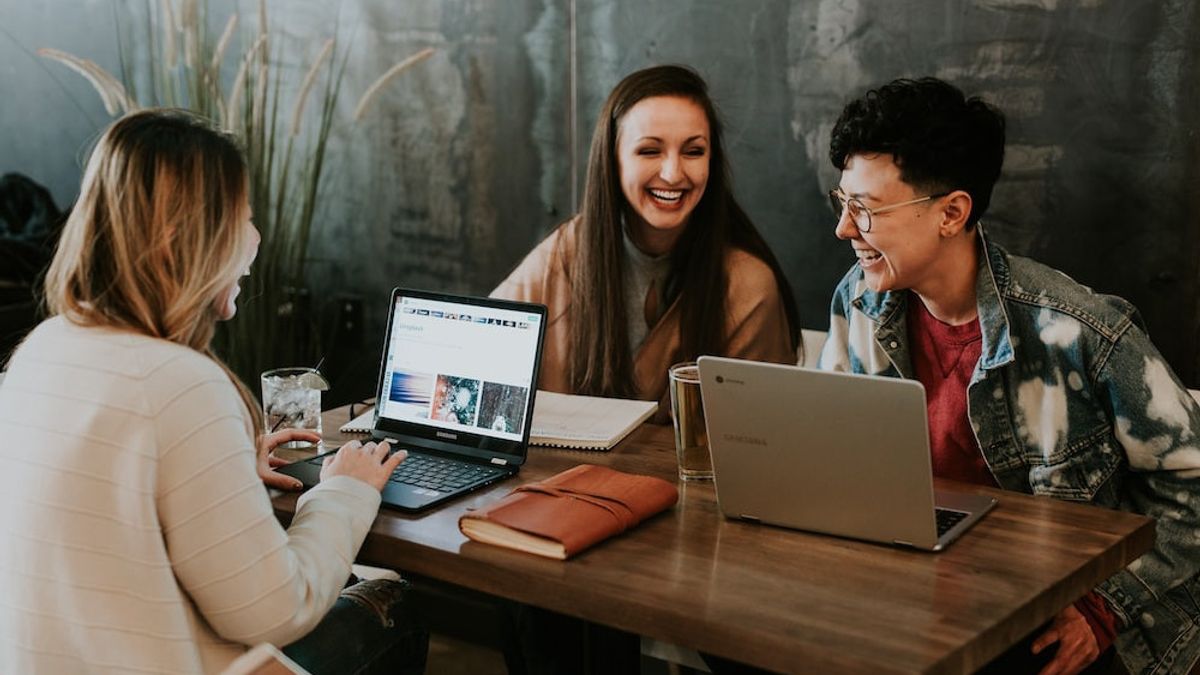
1157	423
250	580
758	325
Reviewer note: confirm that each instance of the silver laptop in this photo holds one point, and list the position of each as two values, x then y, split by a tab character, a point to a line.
835	453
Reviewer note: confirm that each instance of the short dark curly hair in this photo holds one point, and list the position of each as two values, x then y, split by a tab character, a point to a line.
940	139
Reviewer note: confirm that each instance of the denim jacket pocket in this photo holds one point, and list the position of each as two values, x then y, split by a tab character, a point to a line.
1078	471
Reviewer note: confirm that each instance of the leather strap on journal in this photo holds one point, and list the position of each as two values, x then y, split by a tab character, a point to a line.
623	514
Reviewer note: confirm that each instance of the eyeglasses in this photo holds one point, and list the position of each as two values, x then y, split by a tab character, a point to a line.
861	214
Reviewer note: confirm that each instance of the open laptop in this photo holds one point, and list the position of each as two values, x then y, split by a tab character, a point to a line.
456	389
828	452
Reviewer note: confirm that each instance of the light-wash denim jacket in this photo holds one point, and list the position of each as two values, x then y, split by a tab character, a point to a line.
1069	399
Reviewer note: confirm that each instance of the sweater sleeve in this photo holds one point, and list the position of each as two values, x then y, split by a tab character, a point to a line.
250	580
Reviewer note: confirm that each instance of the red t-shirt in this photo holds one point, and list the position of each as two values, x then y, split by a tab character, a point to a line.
943	359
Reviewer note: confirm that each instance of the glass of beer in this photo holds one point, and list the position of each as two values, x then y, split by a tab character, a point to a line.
687	410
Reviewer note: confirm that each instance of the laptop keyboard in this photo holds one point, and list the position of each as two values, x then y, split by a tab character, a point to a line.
947	519
435	473
439	474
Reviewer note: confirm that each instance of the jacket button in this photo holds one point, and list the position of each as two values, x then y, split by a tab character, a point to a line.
893	344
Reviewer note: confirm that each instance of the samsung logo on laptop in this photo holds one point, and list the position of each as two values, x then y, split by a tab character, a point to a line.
747	440
447	434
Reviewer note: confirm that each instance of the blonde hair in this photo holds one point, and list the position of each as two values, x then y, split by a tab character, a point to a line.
154	240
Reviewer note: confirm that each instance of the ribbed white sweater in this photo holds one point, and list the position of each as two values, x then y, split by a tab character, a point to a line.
136	535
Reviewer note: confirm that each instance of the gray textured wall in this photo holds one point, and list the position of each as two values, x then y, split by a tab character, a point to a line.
472	157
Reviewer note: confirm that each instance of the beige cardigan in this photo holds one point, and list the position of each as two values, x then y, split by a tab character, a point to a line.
136	534
756	324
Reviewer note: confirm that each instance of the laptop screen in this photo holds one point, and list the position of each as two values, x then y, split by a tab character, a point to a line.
460	370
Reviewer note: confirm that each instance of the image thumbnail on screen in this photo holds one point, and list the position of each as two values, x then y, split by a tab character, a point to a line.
411	393
456	399
502	407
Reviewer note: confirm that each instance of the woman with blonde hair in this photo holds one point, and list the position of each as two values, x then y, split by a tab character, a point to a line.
138	536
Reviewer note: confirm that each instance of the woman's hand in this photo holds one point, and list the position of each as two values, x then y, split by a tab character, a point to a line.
267	462
369	463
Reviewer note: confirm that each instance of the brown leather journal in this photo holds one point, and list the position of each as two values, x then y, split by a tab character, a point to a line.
569	512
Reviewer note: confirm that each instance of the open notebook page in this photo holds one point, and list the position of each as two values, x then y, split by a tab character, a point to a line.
588	422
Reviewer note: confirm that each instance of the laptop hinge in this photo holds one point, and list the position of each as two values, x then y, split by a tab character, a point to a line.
753	519
501	462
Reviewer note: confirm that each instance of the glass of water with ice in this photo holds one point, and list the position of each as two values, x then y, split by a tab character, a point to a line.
292	400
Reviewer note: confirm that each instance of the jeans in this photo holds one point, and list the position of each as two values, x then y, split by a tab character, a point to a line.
366	632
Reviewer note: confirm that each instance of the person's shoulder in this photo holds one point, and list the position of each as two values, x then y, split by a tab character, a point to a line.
559	245
1037	285
748	274
115	364
541	267
555	247
63	341
161	363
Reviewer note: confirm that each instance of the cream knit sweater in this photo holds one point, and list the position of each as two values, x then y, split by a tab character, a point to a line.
136	535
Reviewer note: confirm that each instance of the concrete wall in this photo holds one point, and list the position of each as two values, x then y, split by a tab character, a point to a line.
472	157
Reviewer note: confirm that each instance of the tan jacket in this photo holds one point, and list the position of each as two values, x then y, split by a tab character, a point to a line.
756	326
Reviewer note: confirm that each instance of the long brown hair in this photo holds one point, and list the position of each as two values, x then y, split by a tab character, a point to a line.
601	362
154	239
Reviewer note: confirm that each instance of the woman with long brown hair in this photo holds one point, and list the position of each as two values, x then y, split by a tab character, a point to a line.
137	532
661	264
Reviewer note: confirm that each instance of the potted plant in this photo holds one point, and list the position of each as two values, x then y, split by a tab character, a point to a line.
180	64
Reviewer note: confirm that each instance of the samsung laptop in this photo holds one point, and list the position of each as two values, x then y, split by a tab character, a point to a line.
456	390
835	453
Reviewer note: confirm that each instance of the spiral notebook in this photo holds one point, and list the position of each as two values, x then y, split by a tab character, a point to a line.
565	420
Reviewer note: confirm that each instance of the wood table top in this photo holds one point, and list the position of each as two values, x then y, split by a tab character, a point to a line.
774	598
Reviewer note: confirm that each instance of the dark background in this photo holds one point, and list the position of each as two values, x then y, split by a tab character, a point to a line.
471	158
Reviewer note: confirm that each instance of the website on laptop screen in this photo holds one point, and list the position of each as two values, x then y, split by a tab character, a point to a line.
461	367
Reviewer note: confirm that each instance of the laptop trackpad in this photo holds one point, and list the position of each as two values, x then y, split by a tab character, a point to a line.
408	496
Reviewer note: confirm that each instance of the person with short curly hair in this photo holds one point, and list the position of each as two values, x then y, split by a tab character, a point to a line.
1034	383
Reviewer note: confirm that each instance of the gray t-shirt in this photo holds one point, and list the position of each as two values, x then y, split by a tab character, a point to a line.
642	270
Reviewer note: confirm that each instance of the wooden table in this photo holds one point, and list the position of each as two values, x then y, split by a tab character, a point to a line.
775	598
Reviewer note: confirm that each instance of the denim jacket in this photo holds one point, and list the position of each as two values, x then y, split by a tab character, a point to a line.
1071	400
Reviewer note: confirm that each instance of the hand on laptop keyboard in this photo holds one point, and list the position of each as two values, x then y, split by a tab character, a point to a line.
369	463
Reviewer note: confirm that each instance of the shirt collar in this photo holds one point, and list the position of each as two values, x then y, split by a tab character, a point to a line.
991	281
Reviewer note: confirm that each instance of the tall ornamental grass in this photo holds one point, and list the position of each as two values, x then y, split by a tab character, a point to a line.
173	60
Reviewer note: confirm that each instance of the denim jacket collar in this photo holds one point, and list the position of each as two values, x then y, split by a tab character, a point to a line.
991	281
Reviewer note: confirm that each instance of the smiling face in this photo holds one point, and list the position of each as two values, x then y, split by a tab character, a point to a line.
903	250
226	304
663	154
